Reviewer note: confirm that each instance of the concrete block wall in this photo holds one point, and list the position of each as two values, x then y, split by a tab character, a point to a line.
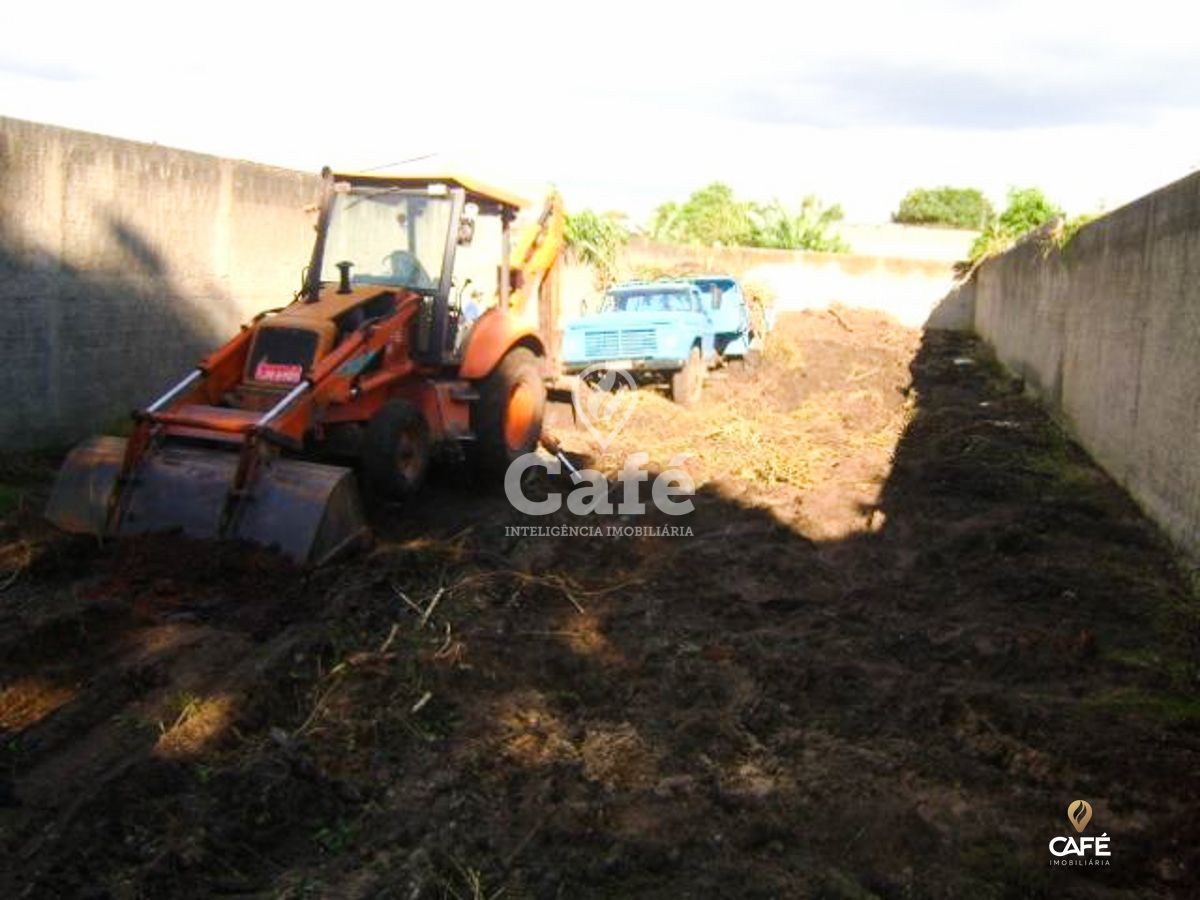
895	241
121	263
1107	332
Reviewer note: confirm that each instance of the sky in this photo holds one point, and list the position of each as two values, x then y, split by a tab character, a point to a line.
624	105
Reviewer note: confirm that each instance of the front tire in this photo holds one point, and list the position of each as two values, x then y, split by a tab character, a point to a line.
396	450
507	417
688	383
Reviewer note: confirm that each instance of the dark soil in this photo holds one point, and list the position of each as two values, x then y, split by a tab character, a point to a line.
912	623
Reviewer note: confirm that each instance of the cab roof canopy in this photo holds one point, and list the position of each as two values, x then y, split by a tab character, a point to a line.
658	284
484	195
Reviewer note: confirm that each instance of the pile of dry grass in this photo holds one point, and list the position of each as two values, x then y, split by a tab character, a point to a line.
781	424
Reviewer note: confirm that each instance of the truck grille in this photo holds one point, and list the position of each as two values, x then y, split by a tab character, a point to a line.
617	344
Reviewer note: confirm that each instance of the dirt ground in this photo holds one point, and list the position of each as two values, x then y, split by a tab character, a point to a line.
912	623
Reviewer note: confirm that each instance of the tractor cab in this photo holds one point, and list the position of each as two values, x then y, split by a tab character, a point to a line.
385	243
432	237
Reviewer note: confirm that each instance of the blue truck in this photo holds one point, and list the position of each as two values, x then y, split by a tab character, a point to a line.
669	331
732	332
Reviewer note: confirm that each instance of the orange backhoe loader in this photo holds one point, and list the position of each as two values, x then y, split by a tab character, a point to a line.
382	361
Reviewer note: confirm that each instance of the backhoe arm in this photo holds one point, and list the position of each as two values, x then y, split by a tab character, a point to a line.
536	251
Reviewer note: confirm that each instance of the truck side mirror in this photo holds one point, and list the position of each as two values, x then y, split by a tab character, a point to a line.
466	225
716	297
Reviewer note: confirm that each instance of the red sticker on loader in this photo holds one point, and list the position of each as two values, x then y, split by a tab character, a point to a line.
278	373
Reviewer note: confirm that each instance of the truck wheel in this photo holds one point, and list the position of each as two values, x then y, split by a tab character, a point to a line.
396	450
687	383
507	417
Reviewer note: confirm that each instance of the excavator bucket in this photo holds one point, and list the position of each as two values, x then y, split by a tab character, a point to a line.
308	511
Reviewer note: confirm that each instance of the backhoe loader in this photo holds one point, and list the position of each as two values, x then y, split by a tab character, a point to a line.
381	362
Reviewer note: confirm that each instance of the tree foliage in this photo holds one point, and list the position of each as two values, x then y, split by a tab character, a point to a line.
596	239
1027	210
713	215
950	206
809	228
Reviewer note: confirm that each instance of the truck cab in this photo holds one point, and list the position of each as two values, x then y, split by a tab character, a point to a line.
730	315
658	332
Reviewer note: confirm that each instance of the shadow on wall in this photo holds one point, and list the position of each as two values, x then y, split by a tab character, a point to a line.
82	348
755	711
145	258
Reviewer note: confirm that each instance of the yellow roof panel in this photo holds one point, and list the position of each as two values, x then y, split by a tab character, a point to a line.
476	190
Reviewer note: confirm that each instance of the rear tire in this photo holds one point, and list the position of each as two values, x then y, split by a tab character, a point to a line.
507	417
688	383
396	450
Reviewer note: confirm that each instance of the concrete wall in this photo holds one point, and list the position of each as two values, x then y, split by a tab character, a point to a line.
897	241
121	263
1108	333
911	290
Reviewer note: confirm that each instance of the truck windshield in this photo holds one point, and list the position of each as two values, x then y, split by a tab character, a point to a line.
649	301
727	287
393	237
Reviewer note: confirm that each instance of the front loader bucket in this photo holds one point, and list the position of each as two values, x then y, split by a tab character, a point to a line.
84	485
307	511
310	511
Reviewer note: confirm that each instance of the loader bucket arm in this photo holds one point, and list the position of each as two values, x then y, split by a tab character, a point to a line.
215	472
536	251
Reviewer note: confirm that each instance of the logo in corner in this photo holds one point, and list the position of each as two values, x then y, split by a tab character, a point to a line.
1085	850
